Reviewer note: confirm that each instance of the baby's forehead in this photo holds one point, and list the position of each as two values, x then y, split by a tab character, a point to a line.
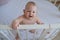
31	7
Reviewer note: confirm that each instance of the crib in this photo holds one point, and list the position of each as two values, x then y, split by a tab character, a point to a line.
6	34
43	29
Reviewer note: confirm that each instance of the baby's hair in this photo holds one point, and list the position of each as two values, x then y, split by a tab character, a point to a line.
30	3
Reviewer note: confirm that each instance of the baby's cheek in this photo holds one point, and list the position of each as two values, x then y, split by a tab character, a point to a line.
27	14
34	14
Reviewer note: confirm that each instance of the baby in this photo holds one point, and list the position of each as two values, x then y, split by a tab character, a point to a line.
29	16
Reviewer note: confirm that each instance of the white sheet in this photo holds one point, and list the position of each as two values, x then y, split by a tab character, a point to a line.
47	12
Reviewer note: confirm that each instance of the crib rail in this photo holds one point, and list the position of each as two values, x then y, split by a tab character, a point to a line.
6	33
53	29
43	29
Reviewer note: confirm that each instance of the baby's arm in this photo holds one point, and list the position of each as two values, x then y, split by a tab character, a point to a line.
32	31
38	22
16	23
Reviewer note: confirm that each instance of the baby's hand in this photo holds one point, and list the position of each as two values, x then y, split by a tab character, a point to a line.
32	31
15	24
14	28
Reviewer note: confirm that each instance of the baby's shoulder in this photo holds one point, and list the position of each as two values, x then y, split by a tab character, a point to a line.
20	17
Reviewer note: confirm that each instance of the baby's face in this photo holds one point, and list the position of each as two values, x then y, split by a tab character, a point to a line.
30	12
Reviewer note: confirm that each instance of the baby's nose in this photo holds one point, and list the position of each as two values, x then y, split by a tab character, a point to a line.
30	14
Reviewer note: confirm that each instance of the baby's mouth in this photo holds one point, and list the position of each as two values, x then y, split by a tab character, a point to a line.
30	16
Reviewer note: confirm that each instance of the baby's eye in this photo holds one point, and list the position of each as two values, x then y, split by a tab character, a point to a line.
33	12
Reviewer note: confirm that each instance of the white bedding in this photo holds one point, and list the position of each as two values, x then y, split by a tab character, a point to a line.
47	12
